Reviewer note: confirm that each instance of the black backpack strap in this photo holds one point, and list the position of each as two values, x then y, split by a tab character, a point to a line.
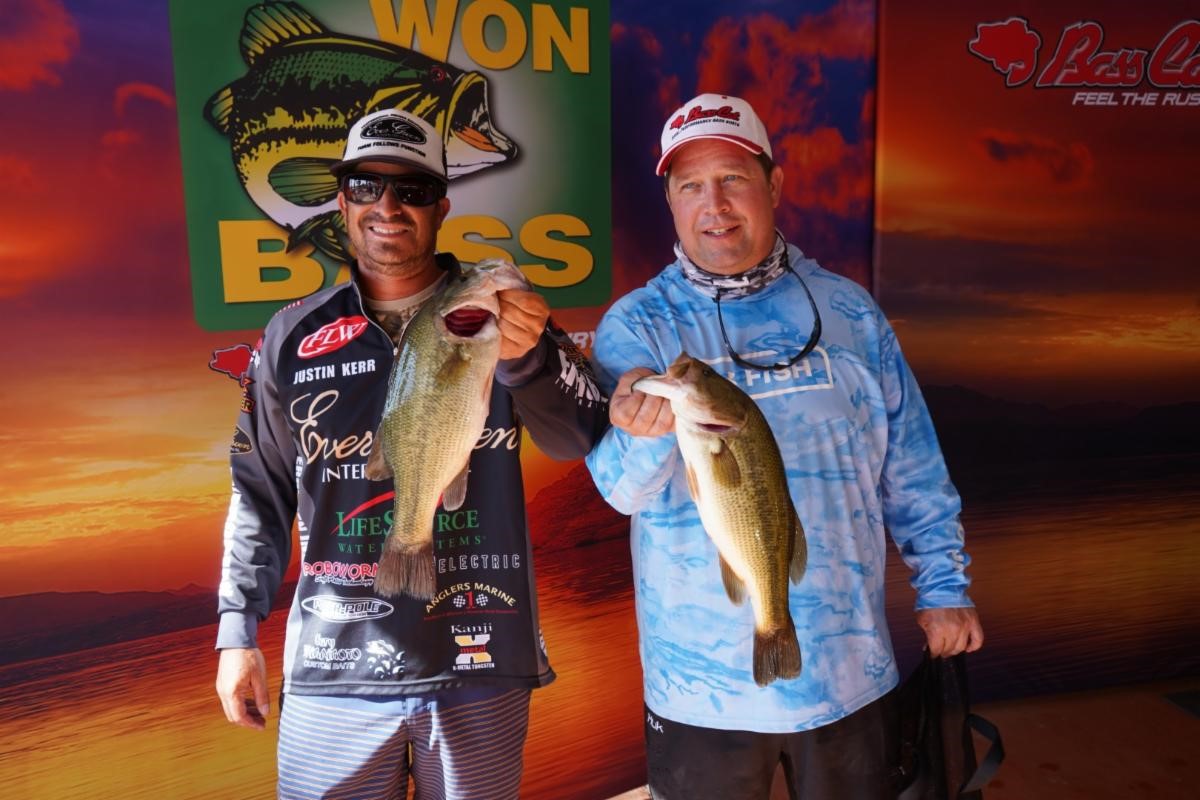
991	760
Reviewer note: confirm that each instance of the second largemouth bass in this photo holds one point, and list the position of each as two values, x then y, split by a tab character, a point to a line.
736	477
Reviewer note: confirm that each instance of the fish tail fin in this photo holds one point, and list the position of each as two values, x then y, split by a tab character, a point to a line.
776	654
406	570
268	25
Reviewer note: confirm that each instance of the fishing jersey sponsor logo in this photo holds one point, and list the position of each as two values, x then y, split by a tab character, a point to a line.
247	400
470	597
324	654
463	519
333	453
1080	60
241	443
814	372
478	562
333	336
341	609
576	376
339	573
472	641
653	723
346	369
495	438
384	661
358	531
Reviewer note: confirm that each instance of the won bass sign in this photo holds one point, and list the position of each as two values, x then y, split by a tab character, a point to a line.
1082	60
519	92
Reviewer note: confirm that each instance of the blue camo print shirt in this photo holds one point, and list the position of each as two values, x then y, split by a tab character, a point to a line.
862	458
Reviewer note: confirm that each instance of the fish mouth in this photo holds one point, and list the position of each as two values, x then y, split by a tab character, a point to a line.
714	427
467	321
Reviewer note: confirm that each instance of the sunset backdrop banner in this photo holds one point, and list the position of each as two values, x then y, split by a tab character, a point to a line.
1012	183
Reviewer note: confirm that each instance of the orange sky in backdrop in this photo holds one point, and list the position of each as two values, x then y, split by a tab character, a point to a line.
1031	248
1066	271
115	432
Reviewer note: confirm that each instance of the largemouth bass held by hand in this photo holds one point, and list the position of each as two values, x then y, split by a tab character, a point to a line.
736	477
437	402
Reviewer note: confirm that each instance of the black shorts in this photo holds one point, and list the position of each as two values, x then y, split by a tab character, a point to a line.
851	759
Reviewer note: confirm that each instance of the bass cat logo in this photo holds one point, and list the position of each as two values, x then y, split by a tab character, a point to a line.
288	116
696	112
1079	59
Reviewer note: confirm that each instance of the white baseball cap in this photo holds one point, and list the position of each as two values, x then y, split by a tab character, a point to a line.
396	137
713	116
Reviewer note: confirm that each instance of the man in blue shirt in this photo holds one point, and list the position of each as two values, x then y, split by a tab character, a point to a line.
862	460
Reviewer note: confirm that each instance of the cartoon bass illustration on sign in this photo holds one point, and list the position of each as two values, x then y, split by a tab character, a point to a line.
287	117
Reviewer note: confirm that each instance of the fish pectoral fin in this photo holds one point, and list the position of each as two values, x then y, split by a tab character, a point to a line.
377	468
270	25
304	181
220	109
799	560
693	486
456	493
476	138
734	586
725	464
326	232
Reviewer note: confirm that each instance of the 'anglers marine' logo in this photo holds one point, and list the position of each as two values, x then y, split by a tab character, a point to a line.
288	116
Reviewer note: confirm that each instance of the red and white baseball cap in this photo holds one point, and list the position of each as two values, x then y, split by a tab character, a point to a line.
713	116
396	137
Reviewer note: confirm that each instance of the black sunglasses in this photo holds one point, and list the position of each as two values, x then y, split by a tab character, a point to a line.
813	338
364	188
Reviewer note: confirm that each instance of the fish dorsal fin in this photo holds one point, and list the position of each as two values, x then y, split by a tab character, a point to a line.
726	471
270	24
799	560
377	468
220	109
456	493
304	181
734	587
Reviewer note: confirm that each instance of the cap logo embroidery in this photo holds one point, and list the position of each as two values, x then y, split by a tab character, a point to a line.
724	112
394	128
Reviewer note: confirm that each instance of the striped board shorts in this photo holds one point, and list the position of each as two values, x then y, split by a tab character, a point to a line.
464	744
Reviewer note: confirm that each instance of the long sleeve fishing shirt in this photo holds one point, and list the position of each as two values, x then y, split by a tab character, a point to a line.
313	397
862	460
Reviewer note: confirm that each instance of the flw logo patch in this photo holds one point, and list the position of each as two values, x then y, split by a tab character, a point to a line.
333	336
